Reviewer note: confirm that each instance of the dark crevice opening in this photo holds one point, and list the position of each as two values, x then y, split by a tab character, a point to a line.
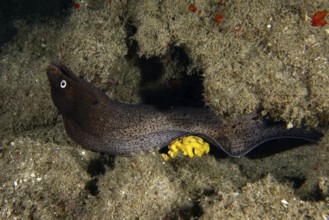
96	168
191	211
30	11
276	146
166	80
296	181
92	187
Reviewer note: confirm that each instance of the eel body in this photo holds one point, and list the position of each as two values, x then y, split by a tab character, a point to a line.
100	124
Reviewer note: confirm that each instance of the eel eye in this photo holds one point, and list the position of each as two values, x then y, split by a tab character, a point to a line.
63	84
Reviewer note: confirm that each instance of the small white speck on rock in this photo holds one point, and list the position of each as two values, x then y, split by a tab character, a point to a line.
284	203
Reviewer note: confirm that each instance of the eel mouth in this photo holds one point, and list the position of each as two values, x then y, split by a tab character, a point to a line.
57	69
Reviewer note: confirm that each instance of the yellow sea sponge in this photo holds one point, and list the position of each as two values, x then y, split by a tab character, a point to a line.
190	146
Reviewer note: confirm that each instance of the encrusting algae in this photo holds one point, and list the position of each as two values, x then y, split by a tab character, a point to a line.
190	146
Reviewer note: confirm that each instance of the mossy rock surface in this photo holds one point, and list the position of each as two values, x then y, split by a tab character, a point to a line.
261	56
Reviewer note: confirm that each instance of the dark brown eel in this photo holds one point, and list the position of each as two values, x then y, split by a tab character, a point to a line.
100	124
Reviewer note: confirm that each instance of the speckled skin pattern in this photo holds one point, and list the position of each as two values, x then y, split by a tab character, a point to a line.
97	123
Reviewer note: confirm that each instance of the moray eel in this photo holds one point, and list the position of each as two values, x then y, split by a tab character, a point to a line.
100	124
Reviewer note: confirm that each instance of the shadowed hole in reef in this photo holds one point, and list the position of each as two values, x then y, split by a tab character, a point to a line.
91	187
275	146
193	211
95	168
209	192
29	11
166	81
315	195
296	181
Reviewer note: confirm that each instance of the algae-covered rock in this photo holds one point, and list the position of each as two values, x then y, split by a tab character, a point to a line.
260	56
263	197
266	57
40	179
324	187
